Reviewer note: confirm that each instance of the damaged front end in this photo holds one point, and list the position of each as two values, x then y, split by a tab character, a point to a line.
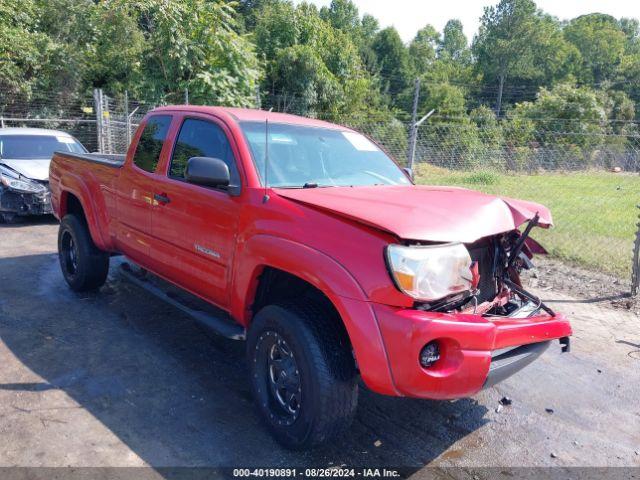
494	277
20	196
485	330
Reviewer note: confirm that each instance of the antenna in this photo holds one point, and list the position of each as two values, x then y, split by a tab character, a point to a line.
265	199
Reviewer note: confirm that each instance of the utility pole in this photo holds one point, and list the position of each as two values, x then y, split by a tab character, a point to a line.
186	96
106	115
413	131
97	101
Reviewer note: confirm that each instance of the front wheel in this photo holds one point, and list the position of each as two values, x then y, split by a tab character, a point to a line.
84	266
302	373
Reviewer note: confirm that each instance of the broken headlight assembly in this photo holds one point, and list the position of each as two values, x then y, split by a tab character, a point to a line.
430	272
20	185
481	278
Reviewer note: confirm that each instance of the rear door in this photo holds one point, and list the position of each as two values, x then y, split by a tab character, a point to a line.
194	227
136	186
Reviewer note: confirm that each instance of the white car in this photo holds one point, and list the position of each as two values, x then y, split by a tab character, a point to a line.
25	154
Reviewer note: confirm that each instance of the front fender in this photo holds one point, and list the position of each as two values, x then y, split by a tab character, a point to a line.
330	277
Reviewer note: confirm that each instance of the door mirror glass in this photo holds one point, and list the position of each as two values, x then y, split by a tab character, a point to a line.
207	171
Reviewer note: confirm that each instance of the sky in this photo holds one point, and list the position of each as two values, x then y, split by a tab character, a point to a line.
408	16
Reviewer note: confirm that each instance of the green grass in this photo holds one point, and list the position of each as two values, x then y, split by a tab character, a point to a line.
594	213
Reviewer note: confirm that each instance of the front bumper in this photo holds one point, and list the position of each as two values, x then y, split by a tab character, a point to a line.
475	351
25	203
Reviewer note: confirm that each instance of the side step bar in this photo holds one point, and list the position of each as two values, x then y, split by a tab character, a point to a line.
220	324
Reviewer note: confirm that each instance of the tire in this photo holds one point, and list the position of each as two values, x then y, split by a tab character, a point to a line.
327	391
83	265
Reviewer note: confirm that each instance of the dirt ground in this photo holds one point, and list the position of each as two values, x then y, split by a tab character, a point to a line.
118	379
598	288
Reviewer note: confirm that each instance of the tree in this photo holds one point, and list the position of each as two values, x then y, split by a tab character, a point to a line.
68	26
276	28
422	49
369	28
489	129
342	15
578	112
307	85
20	47
601	42
454	42
393	61
113	58
516	40
193	44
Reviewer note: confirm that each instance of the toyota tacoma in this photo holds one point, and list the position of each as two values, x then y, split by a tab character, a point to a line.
316	248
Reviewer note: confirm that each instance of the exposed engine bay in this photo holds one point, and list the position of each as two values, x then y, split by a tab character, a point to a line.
497	291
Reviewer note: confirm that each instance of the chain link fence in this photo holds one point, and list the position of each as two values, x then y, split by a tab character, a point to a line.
587	174
591	184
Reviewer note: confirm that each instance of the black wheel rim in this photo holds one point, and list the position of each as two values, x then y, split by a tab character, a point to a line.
280	386
69	254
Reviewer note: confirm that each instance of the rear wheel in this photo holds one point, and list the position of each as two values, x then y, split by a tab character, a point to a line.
303	375
84	266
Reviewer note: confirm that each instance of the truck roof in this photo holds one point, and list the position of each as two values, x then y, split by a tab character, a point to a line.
253	115
33	131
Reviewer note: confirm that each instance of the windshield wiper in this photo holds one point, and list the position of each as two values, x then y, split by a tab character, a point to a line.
306	185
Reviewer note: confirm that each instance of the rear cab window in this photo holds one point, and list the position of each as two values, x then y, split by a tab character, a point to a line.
147	154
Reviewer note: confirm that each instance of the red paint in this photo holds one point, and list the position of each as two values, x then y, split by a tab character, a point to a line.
333	238
455	214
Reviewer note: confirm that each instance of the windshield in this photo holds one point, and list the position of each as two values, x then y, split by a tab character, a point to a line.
310	156
29	147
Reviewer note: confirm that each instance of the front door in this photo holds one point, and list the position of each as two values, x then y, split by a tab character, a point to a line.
194	227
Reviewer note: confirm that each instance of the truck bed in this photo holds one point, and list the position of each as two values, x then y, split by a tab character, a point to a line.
108	159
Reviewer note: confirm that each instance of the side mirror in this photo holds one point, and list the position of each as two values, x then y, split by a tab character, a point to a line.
207	171
409	172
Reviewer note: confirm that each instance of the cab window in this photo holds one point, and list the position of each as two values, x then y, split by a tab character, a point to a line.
150	144
200	138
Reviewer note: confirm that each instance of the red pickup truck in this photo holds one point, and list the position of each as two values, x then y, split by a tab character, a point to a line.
317	249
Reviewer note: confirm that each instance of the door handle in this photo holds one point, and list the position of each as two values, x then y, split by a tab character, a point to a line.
161	198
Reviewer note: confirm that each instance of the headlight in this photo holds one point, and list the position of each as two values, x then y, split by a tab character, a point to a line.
430	272
21	185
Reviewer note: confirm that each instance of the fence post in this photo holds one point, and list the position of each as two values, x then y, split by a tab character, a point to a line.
97	101
413	131
186	96
2	122
106	114
127	120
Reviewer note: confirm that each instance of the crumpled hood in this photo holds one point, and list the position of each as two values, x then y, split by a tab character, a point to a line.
436	214
33	169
